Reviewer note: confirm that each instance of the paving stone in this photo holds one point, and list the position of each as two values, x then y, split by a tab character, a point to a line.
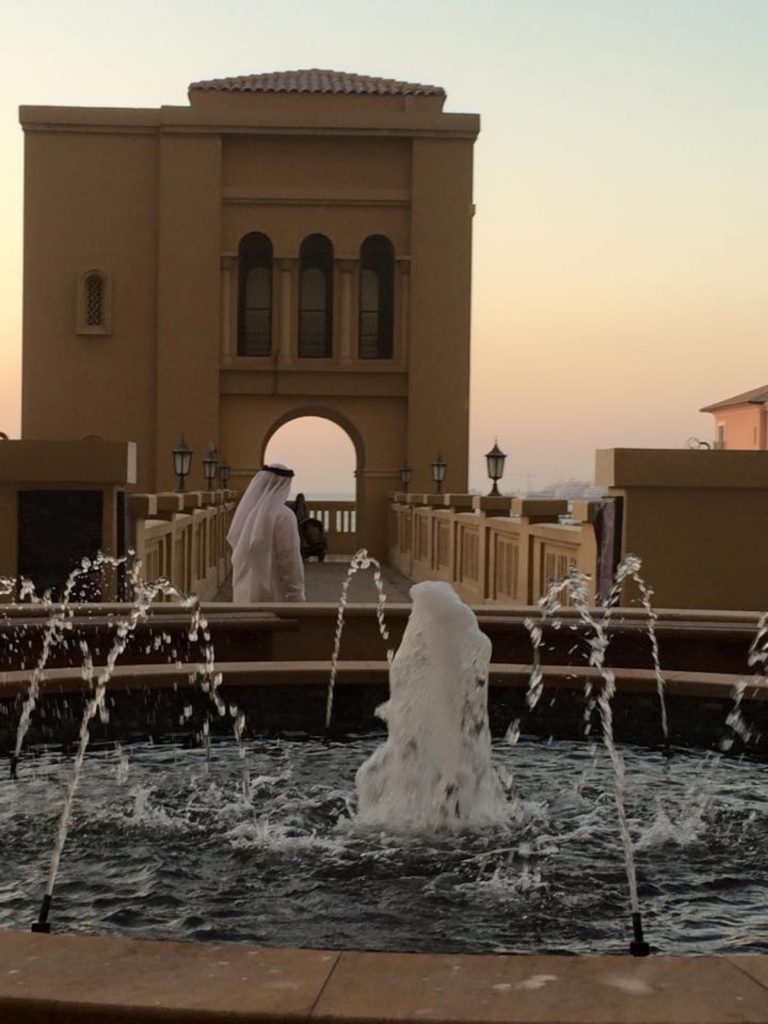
71	975
538	989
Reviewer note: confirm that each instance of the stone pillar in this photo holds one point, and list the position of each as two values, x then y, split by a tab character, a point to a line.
402	289
347	307
228	307
284	347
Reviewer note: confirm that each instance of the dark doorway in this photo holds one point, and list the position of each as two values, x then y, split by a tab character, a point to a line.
56	530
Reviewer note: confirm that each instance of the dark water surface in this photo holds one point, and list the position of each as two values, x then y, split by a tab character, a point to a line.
163	845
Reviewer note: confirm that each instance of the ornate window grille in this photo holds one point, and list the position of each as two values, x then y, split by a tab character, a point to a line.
94	303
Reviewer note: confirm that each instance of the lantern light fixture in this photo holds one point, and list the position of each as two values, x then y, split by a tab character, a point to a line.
182	460
438	473
211	465
224	473
495	460
406	475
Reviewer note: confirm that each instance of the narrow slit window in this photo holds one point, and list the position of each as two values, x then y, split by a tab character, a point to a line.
376	328
254	320
316	298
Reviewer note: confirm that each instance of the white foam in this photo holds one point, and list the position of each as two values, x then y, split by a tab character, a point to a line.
434	771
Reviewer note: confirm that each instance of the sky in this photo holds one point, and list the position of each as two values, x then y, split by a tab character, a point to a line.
621	185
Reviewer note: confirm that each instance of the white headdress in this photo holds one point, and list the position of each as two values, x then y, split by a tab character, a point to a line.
251	533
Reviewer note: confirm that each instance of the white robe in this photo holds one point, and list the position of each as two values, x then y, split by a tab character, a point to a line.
266	555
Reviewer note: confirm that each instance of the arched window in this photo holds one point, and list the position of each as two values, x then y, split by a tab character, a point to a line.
377	298
316	298
93	303
254	296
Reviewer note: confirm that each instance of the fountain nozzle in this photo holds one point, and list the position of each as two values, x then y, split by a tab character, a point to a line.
14	766
42	924
638	946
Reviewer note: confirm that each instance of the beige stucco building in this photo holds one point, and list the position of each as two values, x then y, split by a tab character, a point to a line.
288	244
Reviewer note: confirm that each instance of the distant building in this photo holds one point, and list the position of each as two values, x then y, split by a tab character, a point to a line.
571	490
740	422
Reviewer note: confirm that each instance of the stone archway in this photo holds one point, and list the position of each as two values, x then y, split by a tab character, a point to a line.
340	516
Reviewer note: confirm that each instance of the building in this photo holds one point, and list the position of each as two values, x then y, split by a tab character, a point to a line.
288	244
740	422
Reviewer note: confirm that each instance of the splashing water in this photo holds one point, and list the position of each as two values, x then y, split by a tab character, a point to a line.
434	770
360	560
629	569
59	620
578	585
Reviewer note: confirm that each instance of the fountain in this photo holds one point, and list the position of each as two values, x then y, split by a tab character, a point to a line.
435	771
368	841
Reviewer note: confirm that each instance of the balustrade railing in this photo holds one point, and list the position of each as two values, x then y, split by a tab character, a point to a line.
339	519
494	558
181	539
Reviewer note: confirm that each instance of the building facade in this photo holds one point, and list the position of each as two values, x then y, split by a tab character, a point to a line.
289	244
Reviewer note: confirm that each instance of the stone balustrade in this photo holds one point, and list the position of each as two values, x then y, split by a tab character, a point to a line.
504	551
339	519
182	538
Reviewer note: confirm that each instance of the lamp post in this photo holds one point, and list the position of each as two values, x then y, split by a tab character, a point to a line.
182	460
438	473
495	460
224	471
405	476
211	465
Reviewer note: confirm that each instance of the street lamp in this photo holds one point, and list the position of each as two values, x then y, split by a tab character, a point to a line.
224	471
211	465
495	460
182	460
438	473
405	476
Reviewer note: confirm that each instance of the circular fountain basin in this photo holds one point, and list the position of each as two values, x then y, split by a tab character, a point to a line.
165	843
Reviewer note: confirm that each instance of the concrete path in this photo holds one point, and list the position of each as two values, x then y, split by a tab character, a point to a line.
323	581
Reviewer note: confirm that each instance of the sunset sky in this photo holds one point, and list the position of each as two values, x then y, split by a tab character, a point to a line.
621	183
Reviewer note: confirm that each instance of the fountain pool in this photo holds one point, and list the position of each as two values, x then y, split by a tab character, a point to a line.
435	840
165	845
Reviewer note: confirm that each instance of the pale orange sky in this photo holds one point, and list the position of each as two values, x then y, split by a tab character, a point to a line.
620	235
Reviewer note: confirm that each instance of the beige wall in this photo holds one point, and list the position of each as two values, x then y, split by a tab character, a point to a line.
90	203
745	427
159	200
697	519
441	252
188	291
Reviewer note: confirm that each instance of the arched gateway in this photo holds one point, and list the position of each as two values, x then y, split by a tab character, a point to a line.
288	244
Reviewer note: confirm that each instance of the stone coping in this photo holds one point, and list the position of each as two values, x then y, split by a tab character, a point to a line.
84	979
305	609
679	683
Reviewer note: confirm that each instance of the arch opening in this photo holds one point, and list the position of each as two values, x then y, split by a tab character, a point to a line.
325	456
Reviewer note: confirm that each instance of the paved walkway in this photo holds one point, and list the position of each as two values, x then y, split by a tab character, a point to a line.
324	581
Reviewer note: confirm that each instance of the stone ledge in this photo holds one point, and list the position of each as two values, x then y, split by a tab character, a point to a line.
714	685
84	979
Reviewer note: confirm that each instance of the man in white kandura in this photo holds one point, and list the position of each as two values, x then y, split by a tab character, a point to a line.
266	560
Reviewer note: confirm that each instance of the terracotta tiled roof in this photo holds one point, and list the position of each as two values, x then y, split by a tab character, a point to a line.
755	395
318	81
